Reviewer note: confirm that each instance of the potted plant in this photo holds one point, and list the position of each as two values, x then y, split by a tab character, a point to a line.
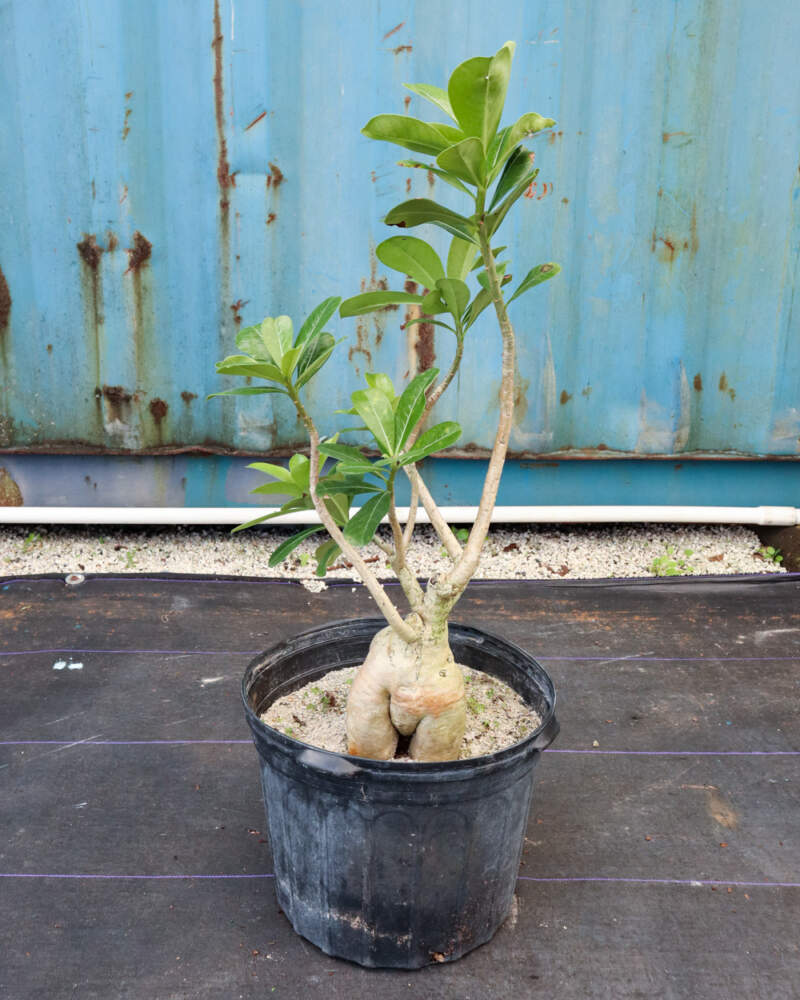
382	861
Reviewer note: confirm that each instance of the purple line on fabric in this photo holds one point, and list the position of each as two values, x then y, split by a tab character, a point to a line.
659	881
157	877
543	657
522	878
617	753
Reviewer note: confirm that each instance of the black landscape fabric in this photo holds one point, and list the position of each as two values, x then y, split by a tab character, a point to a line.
662	855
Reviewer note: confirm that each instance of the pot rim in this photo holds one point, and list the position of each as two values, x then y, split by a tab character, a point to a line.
334	762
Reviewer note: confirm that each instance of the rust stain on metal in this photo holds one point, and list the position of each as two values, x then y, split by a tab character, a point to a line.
693	240
117	395
158	408
10	493
139	253
408	185
111	241
396	28
698	382
271	218
275	177
565	396
256	120
236	308
666	136
49	348
90	252
402	48
5	305
724	387
425	346
407	102
187	396
126	127
223	166
521	387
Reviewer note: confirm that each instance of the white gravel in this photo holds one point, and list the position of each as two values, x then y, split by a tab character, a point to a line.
520	552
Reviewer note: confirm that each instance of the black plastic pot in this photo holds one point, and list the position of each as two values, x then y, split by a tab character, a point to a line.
393	863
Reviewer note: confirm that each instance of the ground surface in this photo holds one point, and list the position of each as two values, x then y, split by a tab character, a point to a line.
662	857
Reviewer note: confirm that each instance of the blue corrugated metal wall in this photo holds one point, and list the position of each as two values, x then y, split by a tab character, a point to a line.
170	169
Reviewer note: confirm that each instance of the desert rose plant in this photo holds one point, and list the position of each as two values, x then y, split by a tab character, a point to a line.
409	682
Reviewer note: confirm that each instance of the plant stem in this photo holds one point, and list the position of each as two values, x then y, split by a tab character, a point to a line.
379	595
464	569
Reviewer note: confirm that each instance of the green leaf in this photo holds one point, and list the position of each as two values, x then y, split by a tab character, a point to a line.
413	257
427	319
483	276
286	548
300	469
325	555
460	258
361	527
448	178
529	124
433	304
377	413
276	332
276	471
517	167
301	503
433	94
420	137
249	341
248	390
316	320
438	437
344	453
281	489
493	219
350	485
381	382
290	359
466	160
418	211
476	307
238	364
339	507
411	404
477	92
535	277
496	251
369	302
316	352
455	295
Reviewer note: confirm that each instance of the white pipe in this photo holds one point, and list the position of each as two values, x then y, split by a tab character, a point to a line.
620	514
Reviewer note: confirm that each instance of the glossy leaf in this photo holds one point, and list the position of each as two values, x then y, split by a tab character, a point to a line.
466	160
381	382
300	469
287	547
483	276
433	94
411	404
529	124
369	302
477	91
517	167
349	485
279	489
249	342
377	413
290	507
455	295
411	133
460	258
494	219
344	453
315	353
418	211
316	320
427	319
290	359
238	364
535	277
338	505
276	471
361	527
276	332
447	178
413	257
438	437
248	390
